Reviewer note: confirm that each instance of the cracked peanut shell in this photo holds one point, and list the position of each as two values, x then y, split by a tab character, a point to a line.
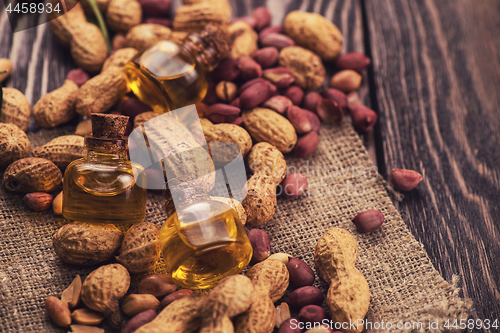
32	174
14	144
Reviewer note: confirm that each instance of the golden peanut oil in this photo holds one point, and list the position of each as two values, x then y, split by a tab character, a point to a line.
204	242
171	74
166	77
102	189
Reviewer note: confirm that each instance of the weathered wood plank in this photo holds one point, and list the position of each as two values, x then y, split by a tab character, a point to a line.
436	67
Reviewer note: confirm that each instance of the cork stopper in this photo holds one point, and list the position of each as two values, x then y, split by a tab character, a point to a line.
108	126
216	37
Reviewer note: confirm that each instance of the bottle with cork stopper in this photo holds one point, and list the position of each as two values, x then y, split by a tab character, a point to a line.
203	241
101	187
171	74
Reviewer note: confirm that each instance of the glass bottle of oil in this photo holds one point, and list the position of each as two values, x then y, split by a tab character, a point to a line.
172	74
101	187
203	241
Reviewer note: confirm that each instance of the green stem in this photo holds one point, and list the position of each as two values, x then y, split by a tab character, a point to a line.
101	23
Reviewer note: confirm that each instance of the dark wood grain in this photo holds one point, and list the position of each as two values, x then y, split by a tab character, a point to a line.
436	79
40	64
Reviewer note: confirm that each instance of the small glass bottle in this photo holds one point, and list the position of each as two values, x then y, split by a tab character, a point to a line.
203	241
171	74
101	187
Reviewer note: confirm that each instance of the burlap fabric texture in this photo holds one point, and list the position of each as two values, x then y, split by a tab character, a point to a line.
404	285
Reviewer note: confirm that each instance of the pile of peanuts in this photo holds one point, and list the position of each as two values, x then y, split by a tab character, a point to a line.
269	79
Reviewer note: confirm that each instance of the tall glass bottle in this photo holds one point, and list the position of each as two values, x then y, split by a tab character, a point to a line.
171	74
203	241
101	186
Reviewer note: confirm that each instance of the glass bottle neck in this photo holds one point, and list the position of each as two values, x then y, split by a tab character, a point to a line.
206	56
97	155
106	149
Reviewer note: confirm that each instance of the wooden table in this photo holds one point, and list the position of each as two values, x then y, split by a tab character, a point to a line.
435	83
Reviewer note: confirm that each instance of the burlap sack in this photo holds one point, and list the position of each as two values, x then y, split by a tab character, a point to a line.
404	285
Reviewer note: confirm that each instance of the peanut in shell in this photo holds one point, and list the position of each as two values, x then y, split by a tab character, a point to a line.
65	26
120	58
314	32
143	35
348	297
88	48
268	166
140	248
271	276
32	174
62	150
182	315
86	243
232	141
56	107
265	125
14	144
15	109
236	205
260	317
103	288
195	15
101	92
305	66
244	39
122	15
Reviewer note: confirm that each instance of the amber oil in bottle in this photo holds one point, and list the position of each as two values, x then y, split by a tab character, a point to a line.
101	187
203	241
172	74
